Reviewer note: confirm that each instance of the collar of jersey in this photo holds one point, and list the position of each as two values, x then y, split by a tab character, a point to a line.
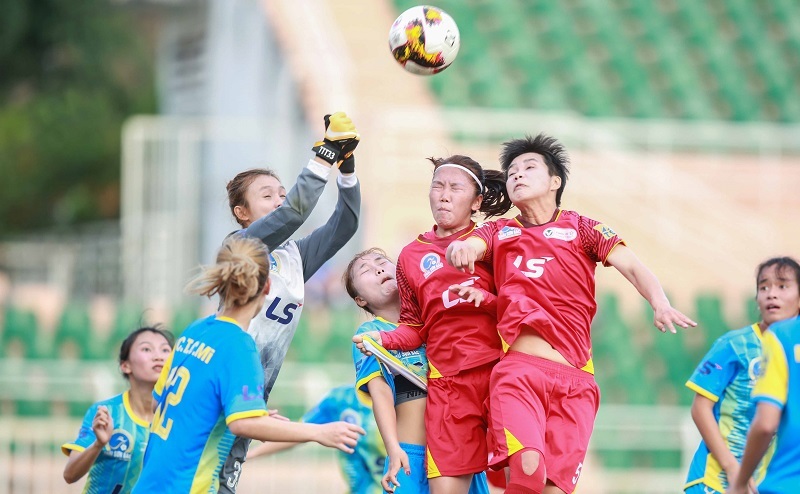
757	330
227	319
525	224
379	318
126	402
455	236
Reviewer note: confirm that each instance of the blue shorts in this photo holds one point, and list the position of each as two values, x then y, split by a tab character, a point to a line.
417	482
701	489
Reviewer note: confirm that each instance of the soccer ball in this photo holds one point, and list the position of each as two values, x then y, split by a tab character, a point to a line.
424	40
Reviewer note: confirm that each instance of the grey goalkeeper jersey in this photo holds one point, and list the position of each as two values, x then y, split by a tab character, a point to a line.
292	263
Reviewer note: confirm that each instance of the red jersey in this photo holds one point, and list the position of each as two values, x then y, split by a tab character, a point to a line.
545	279
459	336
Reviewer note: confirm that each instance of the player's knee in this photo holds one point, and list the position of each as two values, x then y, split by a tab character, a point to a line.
527	472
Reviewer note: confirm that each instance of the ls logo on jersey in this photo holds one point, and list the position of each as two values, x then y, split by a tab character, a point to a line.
119	445
508	232
429	263
534	266
448	302
565	234
284	316
709	367
607	232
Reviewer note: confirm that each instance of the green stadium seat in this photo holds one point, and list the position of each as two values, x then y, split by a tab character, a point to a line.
74	338
699	66
128	318
20	337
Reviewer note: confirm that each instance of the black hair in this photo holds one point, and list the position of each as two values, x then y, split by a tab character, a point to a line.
781	264
495	196
127	343
553	152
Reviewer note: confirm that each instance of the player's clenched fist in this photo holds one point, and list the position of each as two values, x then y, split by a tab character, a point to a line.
102	425
340	435
339	142
462	256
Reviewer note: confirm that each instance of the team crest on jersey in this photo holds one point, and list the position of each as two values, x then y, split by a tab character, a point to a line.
565	234
430	262
755	369
605	231
508	232
274	265
119	445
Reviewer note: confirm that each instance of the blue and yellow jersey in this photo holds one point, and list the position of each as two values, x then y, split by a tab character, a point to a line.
212	377
779	385
368	367
120	462
363	469
726	376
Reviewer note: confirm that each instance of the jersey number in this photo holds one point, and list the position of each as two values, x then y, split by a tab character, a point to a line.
535	267
176	382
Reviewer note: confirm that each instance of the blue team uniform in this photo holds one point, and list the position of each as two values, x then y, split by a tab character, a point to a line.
779	385
120	462
726	376
368	368
212	377
363	469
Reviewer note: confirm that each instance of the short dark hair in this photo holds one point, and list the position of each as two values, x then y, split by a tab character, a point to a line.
553	152
781	264
127	343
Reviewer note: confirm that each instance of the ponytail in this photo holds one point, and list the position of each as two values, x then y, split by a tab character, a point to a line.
239	275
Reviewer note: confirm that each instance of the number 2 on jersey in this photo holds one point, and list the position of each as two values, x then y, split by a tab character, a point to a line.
176	384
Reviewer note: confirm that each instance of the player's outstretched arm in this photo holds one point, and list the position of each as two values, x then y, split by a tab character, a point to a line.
339	435
666	317
462	254
762	430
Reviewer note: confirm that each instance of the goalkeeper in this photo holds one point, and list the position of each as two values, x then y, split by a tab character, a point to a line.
260	204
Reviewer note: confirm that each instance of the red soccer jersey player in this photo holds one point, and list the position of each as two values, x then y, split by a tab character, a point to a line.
461	333
544	398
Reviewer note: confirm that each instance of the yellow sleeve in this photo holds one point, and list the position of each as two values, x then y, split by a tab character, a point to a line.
773	383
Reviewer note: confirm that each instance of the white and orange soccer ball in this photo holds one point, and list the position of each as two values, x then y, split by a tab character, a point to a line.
424	40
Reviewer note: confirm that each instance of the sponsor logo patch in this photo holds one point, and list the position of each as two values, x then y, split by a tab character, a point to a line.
429	263
508	232
119	445
565	234
606	231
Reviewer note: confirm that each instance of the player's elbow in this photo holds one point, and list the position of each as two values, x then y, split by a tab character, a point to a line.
70	476
239	427
764	428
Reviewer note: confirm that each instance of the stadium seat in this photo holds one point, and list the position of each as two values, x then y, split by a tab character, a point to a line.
20	337
682	59
74	338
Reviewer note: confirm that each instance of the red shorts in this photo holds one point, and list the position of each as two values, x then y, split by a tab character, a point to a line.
455	423
544	405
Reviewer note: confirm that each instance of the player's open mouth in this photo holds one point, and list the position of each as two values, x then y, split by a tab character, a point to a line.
386	278
519	185
158	368
773	307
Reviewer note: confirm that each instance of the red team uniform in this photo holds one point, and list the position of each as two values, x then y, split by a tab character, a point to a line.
462	346
545	282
